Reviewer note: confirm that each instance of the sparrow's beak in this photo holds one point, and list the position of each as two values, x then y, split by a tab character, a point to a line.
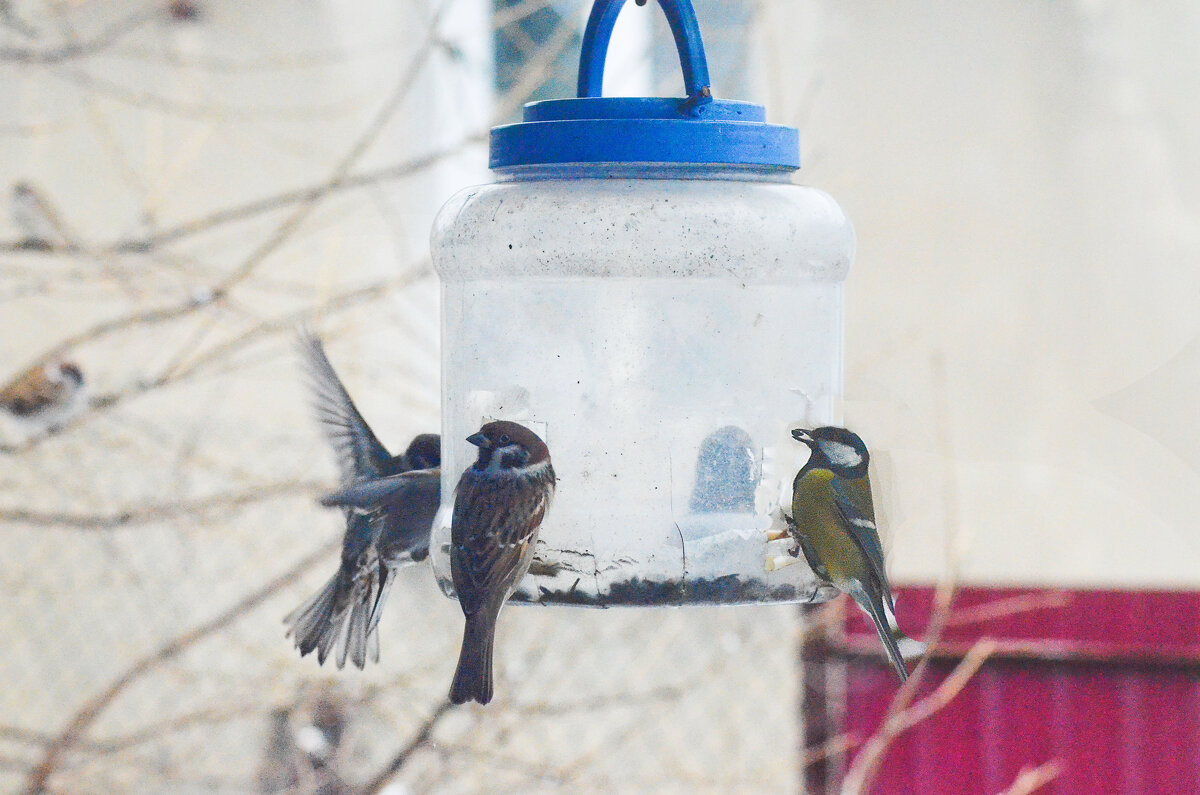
478	439
801	435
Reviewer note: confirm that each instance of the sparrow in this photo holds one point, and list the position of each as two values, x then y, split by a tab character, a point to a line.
833	523
499	504
184	10
46	397
380	538
38	222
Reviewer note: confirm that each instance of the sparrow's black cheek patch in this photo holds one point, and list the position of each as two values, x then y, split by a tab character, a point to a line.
513	457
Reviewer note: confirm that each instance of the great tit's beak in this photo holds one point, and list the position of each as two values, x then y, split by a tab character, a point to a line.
478	439
801	435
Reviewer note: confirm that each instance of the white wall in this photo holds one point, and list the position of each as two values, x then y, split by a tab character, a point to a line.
1023	317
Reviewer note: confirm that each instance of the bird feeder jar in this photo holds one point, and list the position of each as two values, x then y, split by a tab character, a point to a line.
645	287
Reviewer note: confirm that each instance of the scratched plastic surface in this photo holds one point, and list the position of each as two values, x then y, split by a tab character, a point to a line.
663	335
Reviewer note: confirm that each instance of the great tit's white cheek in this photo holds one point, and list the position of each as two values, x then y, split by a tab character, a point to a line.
841	455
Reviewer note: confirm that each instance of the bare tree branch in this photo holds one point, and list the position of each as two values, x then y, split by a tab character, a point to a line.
1030	780
77	728
866	763
416	743
111	34
308	203
285	323
341	172
157	512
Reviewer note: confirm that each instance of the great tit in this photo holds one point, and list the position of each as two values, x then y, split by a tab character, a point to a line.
833	521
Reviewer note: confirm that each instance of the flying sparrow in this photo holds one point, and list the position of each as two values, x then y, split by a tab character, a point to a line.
45	398
499	504
380	538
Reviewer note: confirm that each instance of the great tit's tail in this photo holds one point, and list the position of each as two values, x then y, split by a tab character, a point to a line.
891	637
473	677
337	620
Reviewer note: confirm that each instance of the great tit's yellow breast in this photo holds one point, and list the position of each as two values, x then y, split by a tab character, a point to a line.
816	516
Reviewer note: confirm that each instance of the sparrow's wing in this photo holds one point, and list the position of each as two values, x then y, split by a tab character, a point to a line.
359	452
853	501
490	544
375	493
31	392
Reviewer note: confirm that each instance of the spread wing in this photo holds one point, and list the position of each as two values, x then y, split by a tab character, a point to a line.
493	532
359	452
375	493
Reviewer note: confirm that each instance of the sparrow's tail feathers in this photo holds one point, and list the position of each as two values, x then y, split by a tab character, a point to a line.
386	577
334	620
473	677
872	605
358	635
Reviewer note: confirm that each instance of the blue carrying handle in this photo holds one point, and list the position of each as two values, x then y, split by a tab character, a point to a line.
686	30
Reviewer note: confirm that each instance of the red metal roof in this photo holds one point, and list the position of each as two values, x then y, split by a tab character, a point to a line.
1107	682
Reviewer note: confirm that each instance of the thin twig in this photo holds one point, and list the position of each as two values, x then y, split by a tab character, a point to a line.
109	400
157	512
341	172
79	49
866	763
1031	779
1009	606
308	203
87	715
418	741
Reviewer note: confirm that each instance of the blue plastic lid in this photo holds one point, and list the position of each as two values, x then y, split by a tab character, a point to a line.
696	129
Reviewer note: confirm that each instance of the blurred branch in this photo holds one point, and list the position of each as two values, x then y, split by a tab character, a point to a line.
341	172
1013	605
288	323
866	763
107	37
267	204
503	17
226	114
418	741
610	701
78	726
1058	652
155	512
835	746
534	72
1030	780
284	323
307	203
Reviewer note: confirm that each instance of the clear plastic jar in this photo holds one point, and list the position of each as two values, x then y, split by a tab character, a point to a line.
662	326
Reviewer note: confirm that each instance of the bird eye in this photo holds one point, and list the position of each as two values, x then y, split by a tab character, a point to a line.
504	439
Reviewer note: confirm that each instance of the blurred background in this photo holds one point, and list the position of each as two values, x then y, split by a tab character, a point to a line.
186	182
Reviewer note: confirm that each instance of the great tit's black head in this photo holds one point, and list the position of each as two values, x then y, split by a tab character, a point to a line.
424	452
508	445
836	449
